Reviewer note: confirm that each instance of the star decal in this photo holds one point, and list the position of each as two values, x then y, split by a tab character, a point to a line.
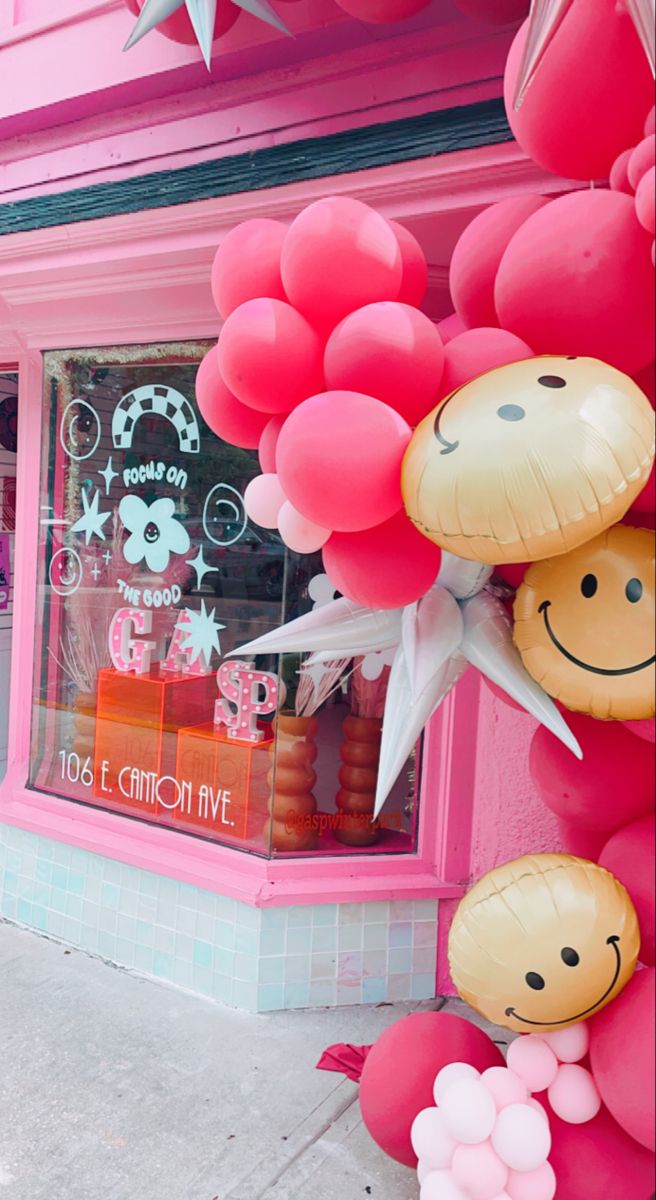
202	636
92	521
456	624
202	14
108	475
200	567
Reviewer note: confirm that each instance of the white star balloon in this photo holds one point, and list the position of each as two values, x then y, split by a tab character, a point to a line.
202	14
455	625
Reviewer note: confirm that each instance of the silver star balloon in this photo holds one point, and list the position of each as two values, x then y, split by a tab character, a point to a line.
202	14
455	625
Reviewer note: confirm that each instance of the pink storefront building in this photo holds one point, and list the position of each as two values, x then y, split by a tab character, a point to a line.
128	826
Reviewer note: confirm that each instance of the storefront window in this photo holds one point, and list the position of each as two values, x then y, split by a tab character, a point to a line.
150	576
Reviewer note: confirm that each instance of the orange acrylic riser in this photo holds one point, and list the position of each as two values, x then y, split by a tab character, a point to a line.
137	723
225	787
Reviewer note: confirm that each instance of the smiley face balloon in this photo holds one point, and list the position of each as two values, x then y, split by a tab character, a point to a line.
584	625
529	460
543	942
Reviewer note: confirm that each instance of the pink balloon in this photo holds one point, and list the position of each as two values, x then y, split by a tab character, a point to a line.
269	356
623	1057
380	12
338	255
613	784
440	1185
629	856
583	843
247	264
619	179
594	65
646	380
512	573
414	280
533	1061
576	279
521	1138
385	567
495	12
390	351
448	1076
301	535
574	1095
431	1143
339	459
404	1062
479	1171
643	156
263	500
468	1111
533	1185
645	200
506	1087
476	351
226	416
569	1045
450	327
642	729
477	254
599	1160
268	443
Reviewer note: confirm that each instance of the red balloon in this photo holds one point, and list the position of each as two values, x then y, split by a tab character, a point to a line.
338	255
380	12
588	98
247	264
643	729
645	200
598	1159
450	327
512	573
584	843
178	27
339	460
629	856
268	443
226	416
646	380
477	254
400	1069
619	179
476	351
642	158
645	504
390	351
503	695
270	356
494	12
623	1058
384	567
614	784
414	280
576	279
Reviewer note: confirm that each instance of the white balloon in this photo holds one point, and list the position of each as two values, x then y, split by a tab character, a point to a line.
461	577
468	1111
521	1138
340	625
448	1076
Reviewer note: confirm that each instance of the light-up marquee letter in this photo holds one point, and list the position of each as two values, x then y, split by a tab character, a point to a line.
155	400
246	694
127	652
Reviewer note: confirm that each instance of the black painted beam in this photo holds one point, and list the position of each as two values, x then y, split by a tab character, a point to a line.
426	136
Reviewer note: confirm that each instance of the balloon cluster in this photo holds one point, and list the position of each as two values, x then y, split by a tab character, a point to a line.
487	1139
552	1062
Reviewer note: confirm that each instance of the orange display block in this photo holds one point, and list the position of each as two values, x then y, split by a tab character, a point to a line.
226	783
138	718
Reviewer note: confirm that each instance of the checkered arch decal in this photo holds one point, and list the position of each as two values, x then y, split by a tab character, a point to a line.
160	401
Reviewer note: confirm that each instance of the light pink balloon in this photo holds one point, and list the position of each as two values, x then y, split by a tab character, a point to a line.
521	1138
414	281
645	201
477	254
619	179
468	1111
431	1143
572	1044
247	264
574	1095
642	158
423	1171
479	1171
440	1185
448	1076
531	1059
268	442
301	535
263	500
338	255
270	356
505	1086
539	1109
476	351
533	1185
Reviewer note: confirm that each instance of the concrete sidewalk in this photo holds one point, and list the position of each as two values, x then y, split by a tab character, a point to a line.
118	1088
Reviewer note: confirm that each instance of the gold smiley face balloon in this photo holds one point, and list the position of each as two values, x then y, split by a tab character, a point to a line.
584	625
543	942
529	460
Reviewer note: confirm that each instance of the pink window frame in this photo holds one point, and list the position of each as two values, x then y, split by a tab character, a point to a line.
176	244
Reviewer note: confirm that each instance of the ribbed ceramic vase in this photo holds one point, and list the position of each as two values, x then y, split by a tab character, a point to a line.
360	755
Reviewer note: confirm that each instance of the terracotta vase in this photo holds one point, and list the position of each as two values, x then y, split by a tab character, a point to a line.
292	778
360	754
84	725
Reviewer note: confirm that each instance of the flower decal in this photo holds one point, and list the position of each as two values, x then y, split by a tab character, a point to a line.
154	532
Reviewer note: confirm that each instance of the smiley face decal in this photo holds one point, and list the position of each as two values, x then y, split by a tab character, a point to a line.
529	460
65	571
584	625
543	942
